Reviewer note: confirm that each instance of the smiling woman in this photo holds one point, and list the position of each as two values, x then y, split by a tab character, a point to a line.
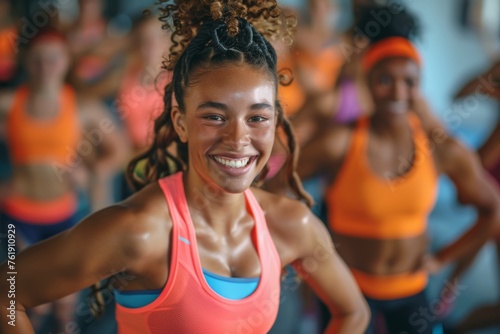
202	246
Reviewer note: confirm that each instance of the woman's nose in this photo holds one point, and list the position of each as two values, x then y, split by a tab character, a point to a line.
237	134
399	91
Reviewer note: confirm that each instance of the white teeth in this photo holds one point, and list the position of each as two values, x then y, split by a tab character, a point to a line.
232	163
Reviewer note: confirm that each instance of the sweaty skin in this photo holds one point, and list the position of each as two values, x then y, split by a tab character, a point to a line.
233	120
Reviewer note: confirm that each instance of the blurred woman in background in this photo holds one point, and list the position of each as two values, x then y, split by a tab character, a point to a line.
138	85
140	98
57	144
383	174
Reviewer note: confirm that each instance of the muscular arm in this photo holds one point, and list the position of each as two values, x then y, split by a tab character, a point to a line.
303	240
105	243
474	187
486	83
329	277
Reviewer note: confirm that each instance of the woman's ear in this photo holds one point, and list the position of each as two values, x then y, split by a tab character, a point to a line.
179	122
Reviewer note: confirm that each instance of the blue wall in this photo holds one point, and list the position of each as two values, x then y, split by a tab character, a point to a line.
452	55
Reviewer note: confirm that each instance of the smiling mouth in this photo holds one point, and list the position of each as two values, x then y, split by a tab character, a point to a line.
232	163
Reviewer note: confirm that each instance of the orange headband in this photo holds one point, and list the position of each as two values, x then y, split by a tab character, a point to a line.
387	48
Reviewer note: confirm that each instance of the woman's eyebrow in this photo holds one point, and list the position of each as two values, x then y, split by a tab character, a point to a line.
213	105
224	107
260	106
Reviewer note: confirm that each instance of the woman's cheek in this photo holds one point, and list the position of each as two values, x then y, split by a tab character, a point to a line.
268	132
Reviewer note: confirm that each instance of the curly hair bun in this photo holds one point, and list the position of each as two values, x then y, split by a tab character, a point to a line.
185	17
388	21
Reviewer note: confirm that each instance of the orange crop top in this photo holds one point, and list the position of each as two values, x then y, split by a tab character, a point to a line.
364	204
187	304
42	141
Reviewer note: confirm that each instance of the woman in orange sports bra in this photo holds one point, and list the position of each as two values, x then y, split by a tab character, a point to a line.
383	172
51	138
197	221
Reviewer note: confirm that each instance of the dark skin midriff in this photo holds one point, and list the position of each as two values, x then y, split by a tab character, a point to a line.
382	256
39	182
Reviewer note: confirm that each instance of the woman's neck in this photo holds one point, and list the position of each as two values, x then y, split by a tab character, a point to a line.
45	91
390	125
212	205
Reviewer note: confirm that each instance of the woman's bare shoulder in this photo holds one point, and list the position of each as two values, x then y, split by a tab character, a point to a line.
287	217
140	224
275	204
149	205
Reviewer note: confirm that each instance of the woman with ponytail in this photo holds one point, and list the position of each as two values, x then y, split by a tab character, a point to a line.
199	247
383	173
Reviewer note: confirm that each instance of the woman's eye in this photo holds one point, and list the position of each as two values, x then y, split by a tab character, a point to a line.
385	80
257	119
410	82
214	118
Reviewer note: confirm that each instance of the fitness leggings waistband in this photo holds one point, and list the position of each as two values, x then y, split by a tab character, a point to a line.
391	286
38	212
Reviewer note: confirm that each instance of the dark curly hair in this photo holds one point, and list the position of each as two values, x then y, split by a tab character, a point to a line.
391	20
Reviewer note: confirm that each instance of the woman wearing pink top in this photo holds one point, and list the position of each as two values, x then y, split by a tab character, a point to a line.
198	216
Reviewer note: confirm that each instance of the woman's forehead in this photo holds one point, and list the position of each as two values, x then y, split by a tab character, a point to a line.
48	46
233	80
